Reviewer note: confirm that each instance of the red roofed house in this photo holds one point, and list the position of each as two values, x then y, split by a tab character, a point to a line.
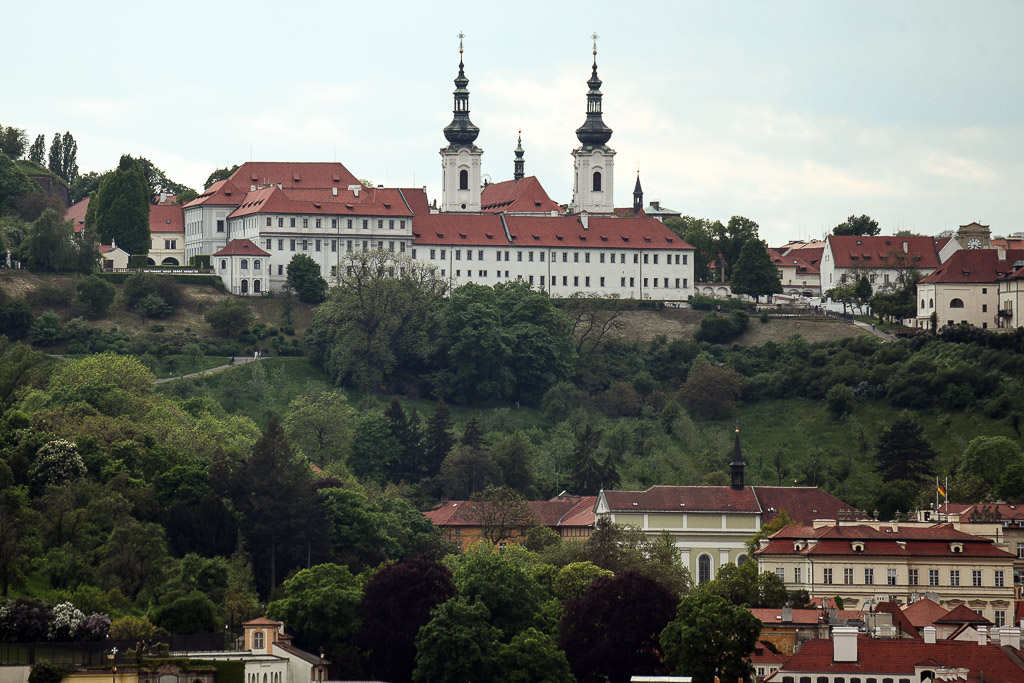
893	563
242	266
461	521
112	256
965	289
711	525
167	232
885	260
853	658
765	661
1011	298
799	269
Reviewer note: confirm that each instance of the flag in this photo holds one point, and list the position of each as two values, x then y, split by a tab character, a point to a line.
942	491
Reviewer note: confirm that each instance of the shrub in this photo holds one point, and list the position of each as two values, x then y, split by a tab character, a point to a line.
154	306
289	330
95	295
15	319
200	261
47	330
46	672
230	317
839	400
718	329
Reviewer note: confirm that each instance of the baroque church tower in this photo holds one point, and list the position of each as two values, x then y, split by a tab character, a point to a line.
460	160
593	187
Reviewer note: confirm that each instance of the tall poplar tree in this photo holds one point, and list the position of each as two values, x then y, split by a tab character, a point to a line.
122	208
37	152
69	158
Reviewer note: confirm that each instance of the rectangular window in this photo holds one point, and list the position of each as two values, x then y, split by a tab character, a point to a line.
280	245
541	280
292	221
575	280
665	281
401	224
433	254
677	283
519	256
270	243
781	573
602	282
586	257
645	282
443	272
602	257
269	221
636	258
506	255
391	245
401	248
498	254
826	575
677	259
380	223
613	258
912	577
797	578
366	224
655	259
334	223
1000	617
631	281
280	269
318	222
933	577
458	254
291	244
530	257
587	281
348	245
391	224
565	280
622	282
869	576
954	577
542	256
480	255
684	259
655	282
531	280
444	253
458	273
366	245
565	257
1020	550
976	577
575	257
890	576
316	245
305	222
645	259
848	575
999	579
305	245
220	226
280	222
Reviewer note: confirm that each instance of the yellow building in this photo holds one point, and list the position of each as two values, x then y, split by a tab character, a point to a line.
167	234
966	289
864	565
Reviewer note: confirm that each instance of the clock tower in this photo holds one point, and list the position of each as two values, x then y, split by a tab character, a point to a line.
974	236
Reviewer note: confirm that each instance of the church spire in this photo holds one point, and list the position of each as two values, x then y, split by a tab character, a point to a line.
461	132
638	195
737	464
519	163
593	132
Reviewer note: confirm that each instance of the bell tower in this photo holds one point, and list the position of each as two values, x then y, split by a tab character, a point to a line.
460	160
594	160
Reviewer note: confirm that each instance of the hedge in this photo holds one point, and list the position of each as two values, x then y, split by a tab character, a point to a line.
212	280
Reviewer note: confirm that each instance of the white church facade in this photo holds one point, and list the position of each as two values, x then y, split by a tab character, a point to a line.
479	234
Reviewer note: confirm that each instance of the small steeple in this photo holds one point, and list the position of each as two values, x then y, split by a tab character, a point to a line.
638	195
461	132
593	131
519	163
737	464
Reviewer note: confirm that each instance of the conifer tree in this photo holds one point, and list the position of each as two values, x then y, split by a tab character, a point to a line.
439	438
754	273
903	453
122	208
407	430
473	436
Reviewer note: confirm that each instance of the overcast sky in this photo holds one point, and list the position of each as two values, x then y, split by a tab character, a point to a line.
794	114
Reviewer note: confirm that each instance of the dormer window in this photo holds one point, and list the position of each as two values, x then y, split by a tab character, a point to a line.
257	640
857	546
956	547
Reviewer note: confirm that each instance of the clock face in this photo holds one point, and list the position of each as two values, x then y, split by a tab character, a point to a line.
974	243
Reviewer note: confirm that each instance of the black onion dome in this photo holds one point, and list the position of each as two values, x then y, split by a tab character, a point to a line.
461	131
594	132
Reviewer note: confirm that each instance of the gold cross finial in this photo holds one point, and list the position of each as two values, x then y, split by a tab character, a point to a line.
461	36
595	37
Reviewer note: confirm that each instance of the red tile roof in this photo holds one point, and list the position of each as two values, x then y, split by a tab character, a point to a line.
864	251
899	619
560	511
901	657
934	541
804	617
293	174
241	248
166	218
545	231
924	612
1005	512
962	614
762	655
76	214
385	202
526	194
261	621
806	260
975	266
803	504
221	193
416	198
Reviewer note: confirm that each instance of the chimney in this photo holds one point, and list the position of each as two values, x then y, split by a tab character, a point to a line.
585	220
787	615
1011	637
163	197
996	636
983	635
844	644
929	635
334	191
906	247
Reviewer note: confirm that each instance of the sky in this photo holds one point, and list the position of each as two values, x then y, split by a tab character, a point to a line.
793	114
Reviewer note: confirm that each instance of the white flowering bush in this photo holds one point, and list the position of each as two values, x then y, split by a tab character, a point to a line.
67	623
57	462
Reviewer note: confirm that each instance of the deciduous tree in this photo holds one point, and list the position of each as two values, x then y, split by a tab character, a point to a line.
37	153
502	513
709	638
319	423
857	225
305	280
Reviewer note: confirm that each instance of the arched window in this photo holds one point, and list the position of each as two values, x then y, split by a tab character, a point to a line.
245	286
922	303
257	640
244	265
255	286
256	264
150	262
463	180
956	303
931	303
223	264
597	181
169	261
741	560
703	569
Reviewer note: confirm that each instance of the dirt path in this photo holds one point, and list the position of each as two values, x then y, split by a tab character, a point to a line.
240	360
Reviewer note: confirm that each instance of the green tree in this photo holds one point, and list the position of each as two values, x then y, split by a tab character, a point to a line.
703	235
532	656
305	280
320	606
95	295
37	153
230	317
989	457
839	400
737	232
13	141
85	185
857	225
17	532
157	180
710	390
502	513
47	330
218	175
744	585
375	450
50	244
56	157
122	209
710	638
15	319
378	319
754	273
458	644
319	423
133	558
465	471
514	455
69	158
14	184
439	439
903	452
192	613
512	595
